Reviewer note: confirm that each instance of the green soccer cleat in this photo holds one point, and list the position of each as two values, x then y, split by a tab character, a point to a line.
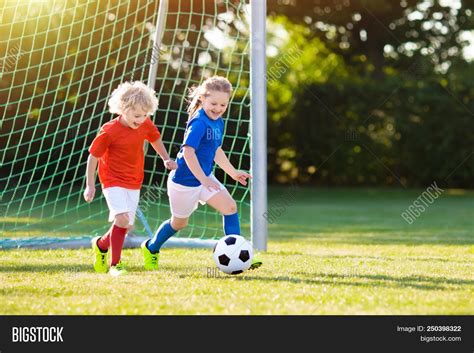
150	259
118	270
255	264
100	261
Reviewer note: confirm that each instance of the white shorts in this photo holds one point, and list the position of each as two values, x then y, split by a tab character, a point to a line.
184	199
121	200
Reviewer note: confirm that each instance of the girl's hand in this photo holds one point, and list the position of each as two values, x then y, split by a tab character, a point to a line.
89	193
210	184
241	177
171	164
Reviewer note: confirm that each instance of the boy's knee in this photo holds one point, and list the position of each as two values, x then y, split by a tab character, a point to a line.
122	220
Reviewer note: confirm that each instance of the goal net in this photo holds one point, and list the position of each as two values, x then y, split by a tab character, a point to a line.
60	60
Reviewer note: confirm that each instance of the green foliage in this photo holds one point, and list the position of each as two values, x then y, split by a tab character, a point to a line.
330	125
295	60
385	32
402	132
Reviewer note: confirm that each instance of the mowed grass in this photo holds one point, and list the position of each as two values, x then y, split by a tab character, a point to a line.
330	252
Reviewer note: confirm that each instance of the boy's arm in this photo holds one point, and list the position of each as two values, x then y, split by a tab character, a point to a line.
223	162
161	150
89	192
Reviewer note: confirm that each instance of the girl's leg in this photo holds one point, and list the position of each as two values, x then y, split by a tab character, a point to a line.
225	204
166	230
179	223
117	237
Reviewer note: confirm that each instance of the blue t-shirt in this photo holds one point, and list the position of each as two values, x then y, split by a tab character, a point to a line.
205	136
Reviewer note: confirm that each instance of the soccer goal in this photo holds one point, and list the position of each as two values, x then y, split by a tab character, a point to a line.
60	60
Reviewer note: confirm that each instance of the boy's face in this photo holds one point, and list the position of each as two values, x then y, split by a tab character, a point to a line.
134	117
215	104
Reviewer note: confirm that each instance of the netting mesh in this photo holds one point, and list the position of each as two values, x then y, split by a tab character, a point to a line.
60	62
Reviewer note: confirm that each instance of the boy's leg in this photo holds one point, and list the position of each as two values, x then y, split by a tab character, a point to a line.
100	247
104	241
100	257
122	204
117	237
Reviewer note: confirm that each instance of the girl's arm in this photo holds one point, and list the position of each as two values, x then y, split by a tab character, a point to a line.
89	192
193	164
161	150
223	162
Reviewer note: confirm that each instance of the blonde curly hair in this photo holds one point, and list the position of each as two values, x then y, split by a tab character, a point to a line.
130	94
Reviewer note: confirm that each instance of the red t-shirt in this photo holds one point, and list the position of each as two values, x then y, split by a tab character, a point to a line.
120	152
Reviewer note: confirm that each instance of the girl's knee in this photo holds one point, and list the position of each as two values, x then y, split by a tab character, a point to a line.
230	208
179	223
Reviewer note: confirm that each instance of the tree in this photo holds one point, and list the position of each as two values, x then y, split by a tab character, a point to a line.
386	33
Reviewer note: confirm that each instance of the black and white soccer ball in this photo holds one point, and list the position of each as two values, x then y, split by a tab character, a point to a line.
233	254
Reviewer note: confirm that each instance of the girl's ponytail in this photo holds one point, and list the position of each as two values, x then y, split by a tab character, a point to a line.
194	101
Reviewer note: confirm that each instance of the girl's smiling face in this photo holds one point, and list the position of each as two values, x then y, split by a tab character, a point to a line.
215	104
133	117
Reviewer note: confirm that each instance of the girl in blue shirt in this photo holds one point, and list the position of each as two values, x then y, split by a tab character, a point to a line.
193	182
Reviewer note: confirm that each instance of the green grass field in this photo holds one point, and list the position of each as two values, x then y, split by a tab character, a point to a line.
336	251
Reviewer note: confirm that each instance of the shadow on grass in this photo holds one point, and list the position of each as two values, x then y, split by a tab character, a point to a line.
365	258
73	268
50	268
373	237
416	282
87	268
406	280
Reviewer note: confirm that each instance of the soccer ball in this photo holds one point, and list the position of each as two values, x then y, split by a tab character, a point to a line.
233	254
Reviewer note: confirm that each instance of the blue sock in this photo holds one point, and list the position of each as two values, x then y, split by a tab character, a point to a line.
231	224
162	234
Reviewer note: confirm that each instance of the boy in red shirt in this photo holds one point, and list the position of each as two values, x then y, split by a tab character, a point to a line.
118	150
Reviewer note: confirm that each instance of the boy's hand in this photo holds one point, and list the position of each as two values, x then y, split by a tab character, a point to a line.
241	177
171	164
89	193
